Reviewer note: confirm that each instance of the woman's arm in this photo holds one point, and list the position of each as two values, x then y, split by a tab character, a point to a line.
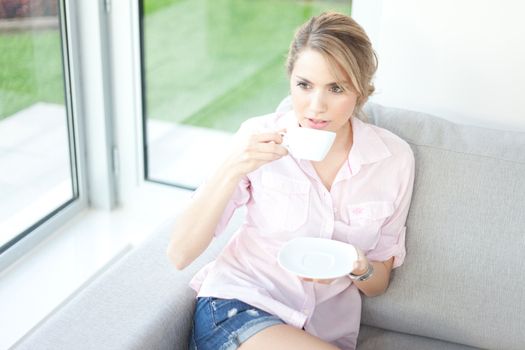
373	286
196	225
378	282
391	245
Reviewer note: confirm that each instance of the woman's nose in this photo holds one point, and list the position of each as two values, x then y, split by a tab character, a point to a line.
317	102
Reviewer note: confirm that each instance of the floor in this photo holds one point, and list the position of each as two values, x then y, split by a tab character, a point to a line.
34	177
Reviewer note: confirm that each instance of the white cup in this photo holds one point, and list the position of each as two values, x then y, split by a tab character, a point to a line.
309	144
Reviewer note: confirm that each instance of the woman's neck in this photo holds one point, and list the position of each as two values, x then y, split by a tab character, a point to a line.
343	139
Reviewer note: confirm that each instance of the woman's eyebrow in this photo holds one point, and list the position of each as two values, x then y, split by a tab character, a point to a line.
329	84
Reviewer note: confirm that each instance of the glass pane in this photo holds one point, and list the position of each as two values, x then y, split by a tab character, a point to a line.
208	66
35	167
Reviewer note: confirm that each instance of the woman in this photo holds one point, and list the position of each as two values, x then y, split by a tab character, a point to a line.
359	194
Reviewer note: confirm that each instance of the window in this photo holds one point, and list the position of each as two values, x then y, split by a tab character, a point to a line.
208	65
38	163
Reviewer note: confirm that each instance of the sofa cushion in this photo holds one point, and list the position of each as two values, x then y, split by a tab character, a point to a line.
371	338
142	302
463	279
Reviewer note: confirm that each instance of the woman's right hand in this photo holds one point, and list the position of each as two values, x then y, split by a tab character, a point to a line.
258	149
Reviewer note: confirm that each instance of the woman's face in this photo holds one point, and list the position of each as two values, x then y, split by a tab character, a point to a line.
318	101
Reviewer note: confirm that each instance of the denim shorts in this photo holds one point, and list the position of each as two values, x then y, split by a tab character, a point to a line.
224	324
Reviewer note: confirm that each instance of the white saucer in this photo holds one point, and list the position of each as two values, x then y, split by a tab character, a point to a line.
318	258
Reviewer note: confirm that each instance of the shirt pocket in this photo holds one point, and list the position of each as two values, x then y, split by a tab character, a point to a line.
365	221
286	202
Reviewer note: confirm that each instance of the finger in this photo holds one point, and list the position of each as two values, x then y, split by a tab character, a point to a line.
262	156
360	253
268	137
360	267
324	281
270	148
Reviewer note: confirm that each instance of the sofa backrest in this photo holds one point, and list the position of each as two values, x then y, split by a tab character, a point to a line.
463	279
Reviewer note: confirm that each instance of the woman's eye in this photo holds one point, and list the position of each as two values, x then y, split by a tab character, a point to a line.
302	85
337	89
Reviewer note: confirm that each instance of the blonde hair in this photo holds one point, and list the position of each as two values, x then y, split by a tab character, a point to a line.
345	45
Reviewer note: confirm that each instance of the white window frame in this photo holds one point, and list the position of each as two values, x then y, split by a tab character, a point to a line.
70	43
101	48
124	25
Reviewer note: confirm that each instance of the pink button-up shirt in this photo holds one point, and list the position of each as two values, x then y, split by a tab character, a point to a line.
366	206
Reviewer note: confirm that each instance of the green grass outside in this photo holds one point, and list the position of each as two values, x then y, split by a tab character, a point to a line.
208	63
30	70
216	63
150	6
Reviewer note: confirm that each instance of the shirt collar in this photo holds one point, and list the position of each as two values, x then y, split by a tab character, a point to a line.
367	147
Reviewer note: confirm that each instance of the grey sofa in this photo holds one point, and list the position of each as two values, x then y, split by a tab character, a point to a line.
462	285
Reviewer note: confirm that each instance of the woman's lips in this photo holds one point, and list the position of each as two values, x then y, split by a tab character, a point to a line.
316	123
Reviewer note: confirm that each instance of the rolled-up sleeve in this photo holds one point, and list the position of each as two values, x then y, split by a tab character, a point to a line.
392	235
240	197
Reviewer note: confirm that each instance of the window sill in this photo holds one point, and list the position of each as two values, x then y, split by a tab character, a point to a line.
54	271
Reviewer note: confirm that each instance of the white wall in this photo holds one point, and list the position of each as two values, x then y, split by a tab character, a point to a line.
460	60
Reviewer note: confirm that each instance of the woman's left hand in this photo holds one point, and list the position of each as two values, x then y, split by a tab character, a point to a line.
361	264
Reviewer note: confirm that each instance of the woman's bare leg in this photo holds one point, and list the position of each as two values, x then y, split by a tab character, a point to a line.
285	337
